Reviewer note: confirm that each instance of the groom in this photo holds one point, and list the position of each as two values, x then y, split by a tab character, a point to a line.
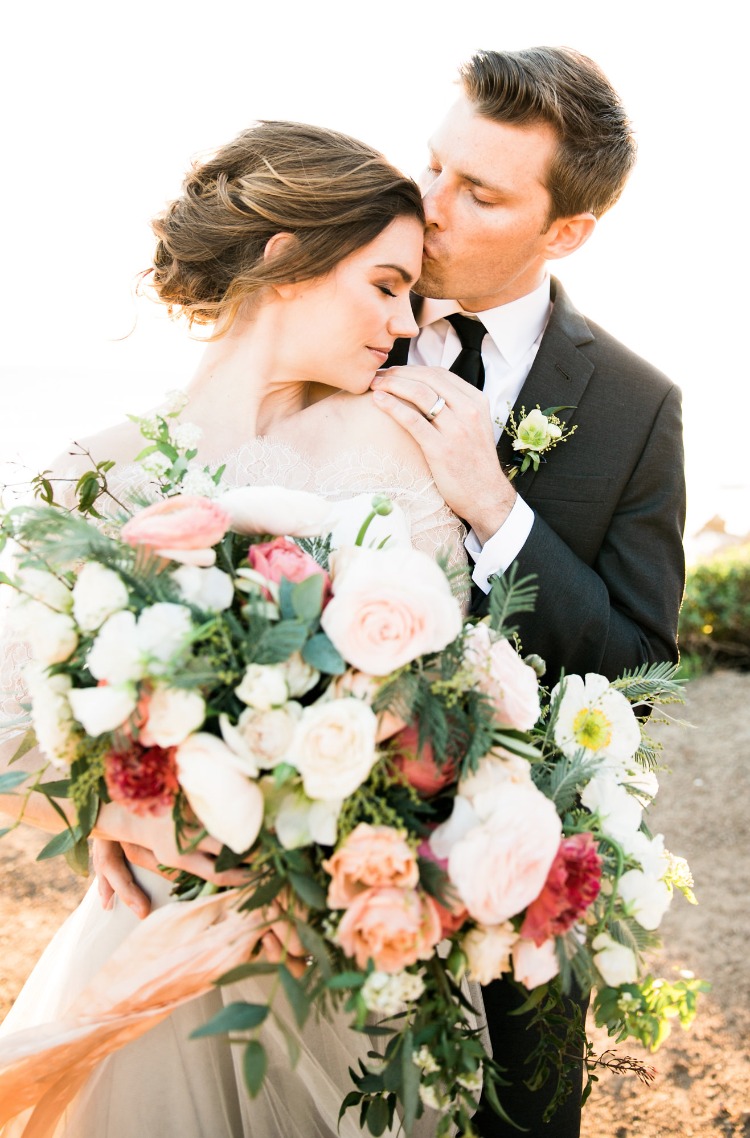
536	148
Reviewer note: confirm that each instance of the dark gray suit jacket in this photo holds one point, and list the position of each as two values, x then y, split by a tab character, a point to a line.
609	504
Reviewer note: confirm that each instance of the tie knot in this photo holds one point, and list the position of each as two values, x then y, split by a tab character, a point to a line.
470	332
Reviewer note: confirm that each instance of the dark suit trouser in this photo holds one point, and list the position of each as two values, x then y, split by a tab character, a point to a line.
512	1043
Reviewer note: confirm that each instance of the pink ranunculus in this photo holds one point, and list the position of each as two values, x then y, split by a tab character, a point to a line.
572	884
502	675
389	606
392	927
370	856
419	767
185	524
534	964
282	558
500	865
142	779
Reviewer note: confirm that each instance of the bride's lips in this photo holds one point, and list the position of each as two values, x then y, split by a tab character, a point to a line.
381	353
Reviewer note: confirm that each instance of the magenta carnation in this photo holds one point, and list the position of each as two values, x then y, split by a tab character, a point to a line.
572	884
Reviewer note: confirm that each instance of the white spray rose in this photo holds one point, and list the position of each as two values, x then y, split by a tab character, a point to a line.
208	589
300	677
616	962
115	656
488	949
534	964
227	802
52	636
45	587
103	708
647	898
162	632
97	594
263	686
268	734
50	714
173	714
334	747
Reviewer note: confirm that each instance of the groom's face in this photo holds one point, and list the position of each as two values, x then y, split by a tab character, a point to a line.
487	208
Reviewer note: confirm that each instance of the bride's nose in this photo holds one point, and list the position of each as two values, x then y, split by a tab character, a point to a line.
402	322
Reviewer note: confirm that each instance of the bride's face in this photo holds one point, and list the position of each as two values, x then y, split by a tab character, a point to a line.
343	325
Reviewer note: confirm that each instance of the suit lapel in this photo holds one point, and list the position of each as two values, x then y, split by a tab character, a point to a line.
559	374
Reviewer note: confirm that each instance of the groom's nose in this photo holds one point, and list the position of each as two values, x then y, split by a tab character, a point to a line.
435	201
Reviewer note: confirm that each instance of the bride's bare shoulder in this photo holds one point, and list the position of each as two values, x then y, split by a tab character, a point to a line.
120	444
354	422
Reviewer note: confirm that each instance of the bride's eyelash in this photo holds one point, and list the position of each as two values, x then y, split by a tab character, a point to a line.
386	290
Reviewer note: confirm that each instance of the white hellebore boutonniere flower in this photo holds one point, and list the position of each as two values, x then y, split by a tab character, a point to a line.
537	432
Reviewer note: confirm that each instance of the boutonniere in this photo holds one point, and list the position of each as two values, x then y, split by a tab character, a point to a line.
537	432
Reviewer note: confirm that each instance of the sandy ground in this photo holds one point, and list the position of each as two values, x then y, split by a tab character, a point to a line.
703	1083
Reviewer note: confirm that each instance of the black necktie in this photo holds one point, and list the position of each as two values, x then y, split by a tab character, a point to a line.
468	363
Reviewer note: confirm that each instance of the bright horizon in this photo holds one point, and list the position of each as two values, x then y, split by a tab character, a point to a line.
108	106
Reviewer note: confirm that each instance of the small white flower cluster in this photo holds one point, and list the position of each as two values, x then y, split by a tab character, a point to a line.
389	993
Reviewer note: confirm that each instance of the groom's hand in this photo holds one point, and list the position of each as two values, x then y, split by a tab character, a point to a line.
458	443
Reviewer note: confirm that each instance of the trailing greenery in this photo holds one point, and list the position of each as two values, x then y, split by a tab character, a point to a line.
714	630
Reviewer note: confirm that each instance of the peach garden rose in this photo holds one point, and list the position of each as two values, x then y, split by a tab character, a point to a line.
370	856
393	927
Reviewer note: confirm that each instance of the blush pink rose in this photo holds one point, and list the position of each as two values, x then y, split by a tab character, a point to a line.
572	884
419	767
370	856
389	606
183	528
502	675
500	865
282	558
392	927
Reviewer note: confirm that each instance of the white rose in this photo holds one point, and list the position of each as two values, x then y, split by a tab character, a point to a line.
300	821
115	655
274	510
211	589
173	714
534	964
52	636
300	677
268	734
103	708
228	803
646	898
616	962
462	819
620	812
45	587
50	714
388	607
162	631
500	673
494	770
487	949
334	747
515	846
97	594
263	686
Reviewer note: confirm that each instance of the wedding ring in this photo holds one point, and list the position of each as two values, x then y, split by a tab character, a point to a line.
436	408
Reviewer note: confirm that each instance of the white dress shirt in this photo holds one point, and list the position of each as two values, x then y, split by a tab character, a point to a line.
514	333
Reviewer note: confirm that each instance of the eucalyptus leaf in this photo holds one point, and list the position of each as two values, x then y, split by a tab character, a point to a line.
313	895
58	789
12	779
27	744
377	1116
234	1017
320	653
254	1064
60	844
307	597
77	857
296	995
410	1079
242	971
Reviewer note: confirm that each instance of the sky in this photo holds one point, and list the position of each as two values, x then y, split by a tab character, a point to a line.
104	106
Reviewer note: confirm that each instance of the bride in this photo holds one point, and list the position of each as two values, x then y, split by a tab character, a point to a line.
299	246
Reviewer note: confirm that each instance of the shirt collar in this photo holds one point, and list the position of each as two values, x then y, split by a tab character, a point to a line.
513	327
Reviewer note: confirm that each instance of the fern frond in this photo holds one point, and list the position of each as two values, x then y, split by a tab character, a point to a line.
651	683
509	595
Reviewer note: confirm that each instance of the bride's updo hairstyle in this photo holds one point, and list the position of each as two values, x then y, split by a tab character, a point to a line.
333	193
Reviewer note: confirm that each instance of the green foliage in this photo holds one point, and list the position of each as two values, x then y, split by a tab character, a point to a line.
714	628
646	1011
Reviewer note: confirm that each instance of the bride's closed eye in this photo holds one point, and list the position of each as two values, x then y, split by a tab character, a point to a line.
384	289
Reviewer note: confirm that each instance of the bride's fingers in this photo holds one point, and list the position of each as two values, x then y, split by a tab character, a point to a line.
114	878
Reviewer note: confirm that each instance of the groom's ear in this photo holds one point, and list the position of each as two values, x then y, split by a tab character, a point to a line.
566	234
277	246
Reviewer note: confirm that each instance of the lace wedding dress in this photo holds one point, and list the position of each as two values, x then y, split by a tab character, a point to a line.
163	1083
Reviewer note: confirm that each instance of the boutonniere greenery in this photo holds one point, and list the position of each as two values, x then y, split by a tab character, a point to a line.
535	434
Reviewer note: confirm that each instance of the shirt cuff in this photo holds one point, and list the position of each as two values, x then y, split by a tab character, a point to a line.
503	547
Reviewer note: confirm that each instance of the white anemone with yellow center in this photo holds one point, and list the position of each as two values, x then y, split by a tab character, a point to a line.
595	718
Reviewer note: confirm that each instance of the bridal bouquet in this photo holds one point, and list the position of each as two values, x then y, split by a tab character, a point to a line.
280	675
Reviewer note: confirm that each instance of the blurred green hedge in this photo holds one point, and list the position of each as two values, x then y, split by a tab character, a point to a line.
714	630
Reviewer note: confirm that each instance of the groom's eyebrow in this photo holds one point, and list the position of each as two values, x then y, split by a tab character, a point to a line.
407	277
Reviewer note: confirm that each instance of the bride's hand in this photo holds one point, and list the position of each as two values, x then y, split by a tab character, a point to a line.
113	876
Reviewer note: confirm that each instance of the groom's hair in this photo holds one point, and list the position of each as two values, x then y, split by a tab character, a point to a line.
555	85
332	193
